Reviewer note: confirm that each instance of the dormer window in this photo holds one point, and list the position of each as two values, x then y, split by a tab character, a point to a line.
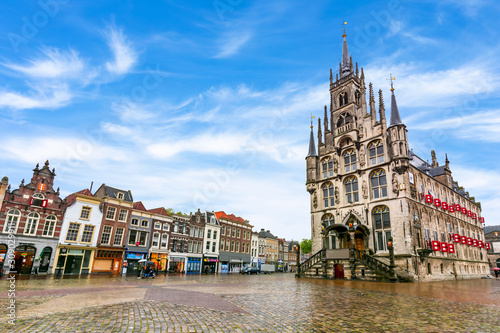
120	195
38	199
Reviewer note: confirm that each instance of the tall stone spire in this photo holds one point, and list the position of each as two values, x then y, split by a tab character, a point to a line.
320	135
395	118
312	146
346	60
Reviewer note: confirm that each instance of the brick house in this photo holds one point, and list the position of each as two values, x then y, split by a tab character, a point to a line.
30	223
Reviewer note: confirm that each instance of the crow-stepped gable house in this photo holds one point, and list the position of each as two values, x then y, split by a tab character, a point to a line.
378	211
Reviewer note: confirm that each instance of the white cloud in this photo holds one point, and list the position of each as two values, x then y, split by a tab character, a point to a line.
417	88
124	56
231	43
53	65
65	150
479	126
45	97
398	28
218	144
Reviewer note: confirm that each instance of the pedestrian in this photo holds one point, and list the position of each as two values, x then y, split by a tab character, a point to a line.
496	274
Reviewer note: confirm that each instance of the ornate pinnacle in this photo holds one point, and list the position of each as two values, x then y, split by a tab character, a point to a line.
372	98
47	163
381	100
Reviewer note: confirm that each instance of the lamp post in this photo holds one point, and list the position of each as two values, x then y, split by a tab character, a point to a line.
392	265
297	252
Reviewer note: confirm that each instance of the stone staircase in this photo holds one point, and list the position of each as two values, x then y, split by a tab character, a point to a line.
358	266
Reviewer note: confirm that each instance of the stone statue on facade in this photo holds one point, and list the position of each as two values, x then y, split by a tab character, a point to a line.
395	187
365	189
362	158
337	195
315	201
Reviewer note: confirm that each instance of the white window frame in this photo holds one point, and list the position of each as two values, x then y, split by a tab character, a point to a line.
50	225
121	237
31	222
120	215
103	233
111	209
13	215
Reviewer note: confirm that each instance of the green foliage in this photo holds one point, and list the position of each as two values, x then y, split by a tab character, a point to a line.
306	245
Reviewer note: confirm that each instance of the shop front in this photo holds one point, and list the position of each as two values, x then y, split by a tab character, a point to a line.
193	265
160	260
233	262
131	263
210	264
107	261
3	255
73	260
176	264
24	257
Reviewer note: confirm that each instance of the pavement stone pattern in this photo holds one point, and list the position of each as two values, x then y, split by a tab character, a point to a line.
262	303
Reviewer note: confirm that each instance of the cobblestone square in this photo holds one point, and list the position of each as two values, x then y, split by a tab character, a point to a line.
262	303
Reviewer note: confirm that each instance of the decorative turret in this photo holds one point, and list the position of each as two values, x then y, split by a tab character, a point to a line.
320	135
326	121
381	108
396	137
311	162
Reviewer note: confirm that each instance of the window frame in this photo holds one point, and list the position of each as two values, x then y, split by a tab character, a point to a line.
121	236
105	233
51	223
9	219
120	215
351	193
379	189
83	210
76	235
350	165
84	232
377	157
33	224
110	208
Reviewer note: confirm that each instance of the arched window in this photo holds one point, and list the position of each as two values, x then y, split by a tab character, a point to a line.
328	195
31	224
50	225
376	149
327	165
350	160
379	184
382	221
11	221
328	220
351	189
344	119
343	99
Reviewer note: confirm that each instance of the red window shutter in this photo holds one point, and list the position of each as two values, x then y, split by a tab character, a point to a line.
475	243
31	200
480	244
444	205
464	210
436	245
428	198
451	248
457	207
463	239
452	209
44	203
469	241
487	245
474	216
437	202
456	238
444	247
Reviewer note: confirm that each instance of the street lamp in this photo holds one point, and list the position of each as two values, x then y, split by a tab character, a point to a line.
392	265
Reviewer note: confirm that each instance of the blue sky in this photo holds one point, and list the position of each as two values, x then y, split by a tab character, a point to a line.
206	104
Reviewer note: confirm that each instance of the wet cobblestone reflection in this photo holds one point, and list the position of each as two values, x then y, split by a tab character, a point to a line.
276	303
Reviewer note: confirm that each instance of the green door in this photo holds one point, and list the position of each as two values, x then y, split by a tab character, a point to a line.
73	265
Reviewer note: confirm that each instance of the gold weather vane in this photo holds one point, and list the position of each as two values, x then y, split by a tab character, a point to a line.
343	26
392	79
312	117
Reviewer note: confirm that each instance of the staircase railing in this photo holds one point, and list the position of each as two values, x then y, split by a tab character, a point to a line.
318	256
379	266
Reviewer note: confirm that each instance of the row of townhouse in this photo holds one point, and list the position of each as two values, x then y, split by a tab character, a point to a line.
107	232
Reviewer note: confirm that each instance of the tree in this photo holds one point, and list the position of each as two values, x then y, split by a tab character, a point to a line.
306	245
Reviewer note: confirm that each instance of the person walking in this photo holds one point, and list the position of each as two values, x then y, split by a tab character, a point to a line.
496	273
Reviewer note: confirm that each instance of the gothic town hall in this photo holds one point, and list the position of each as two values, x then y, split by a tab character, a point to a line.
378	211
